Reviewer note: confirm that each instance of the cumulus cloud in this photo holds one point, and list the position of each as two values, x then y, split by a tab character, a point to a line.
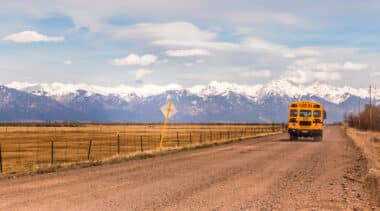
163	61
31	36
248	45
177	35
214	45
256	73
140	73
196	62
313	64
310	70
304	76
68	62
133	59
261	45
375	74
355	66
272	17
184	31
187	53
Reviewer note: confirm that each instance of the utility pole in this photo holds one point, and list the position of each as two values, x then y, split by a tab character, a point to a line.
370	107
374	96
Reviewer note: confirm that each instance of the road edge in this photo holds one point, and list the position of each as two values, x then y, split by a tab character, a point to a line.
372	177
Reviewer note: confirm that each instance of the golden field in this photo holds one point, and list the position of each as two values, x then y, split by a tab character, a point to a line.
25	148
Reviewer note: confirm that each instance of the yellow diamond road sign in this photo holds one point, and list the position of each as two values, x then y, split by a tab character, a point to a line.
168	110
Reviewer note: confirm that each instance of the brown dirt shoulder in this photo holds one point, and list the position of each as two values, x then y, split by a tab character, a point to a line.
369	145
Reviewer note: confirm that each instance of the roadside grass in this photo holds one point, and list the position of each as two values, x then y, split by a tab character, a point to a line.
369	144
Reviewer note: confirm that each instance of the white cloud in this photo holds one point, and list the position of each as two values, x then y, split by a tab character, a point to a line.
140	73
68	62
221	46
196	62
256	74
199	61
133	59
183	31
375	74
248	45
163	61
272	17
305	77
187	53
260	45
312	64
310	70
31	36
355	66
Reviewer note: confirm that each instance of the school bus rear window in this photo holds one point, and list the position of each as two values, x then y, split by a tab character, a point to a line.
293	113
317	113
305	113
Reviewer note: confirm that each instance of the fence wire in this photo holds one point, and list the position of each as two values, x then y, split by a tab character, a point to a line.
48	149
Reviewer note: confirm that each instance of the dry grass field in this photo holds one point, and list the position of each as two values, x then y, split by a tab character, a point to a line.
27	148
369	143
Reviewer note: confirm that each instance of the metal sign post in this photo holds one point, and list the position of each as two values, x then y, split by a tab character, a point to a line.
168	111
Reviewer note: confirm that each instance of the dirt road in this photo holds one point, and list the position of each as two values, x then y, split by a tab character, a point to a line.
265	173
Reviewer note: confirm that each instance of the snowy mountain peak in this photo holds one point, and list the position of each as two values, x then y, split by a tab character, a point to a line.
282	88
58	90
224	88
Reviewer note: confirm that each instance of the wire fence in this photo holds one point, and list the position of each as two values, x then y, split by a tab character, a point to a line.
29	155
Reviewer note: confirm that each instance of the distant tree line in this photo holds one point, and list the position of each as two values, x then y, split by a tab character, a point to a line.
362	120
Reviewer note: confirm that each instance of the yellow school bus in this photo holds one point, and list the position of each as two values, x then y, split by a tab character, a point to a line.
305	119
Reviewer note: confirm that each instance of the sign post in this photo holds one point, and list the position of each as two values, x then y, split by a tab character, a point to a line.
168	111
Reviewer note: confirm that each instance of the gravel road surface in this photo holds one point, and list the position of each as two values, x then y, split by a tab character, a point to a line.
265	173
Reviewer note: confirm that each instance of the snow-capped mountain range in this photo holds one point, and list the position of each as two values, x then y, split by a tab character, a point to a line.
215	102
282	88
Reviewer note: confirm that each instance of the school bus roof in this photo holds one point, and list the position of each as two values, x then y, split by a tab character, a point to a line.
305	104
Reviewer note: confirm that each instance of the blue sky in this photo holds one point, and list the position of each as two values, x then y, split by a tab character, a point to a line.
190	42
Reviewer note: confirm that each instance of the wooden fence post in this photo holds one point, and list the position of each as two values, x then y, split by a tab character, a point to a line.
160	140
66	151
118	143
1	160
141	144
210	136
190	138
126	143
19	152
177	140
89	150
38	153
52	152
